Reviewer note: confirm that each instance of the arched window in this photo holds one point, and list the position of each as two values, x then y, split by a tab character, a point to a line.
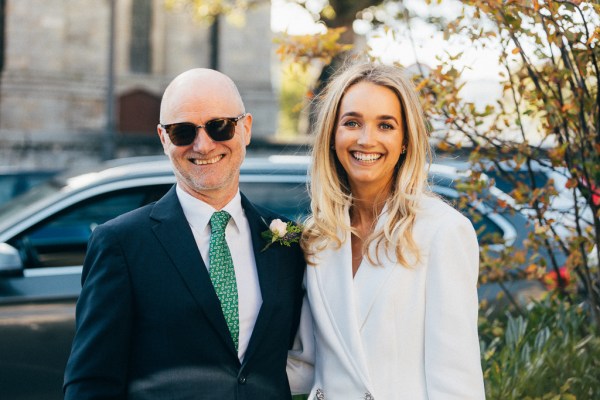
2	32
140	50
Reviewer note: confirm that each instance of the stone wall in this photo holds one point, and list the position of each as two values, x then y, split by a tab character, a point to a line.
54	84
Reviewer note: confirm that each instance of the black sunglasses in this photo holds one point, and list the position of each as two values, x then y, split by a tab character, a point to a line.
218	129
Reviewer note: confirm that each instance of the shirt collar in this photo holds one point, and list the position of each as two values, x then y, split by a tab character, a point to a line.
198	213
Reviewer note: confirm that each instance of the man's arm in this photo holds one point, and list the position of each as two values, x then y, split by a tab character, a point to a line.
97	367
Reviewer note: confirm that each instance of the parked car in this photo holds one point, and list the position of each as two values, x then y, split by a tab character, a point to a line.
43	241
561	207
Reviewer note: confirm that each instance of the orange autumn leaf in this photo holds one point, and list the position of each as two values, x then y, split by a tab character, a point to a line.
422	84
571	183
557	153
567	107
519	256
531	269
443	146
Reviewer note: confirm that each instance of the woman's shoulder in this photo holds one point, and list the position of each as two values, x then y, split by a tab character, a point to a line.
437	222
432	204
435	211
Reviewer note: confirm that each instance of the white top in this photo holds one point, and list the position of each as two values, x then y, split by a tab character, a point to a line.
239	240
393	332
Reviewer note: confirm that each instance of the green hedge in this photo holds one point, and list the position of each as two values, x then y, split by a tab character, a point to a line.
553	353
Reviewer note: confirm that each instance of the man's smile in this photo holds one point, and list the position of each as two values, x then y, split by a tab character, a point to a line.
207	161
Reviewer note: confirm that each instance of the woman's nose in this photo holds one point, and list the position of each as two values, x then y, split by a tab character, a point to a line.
366	136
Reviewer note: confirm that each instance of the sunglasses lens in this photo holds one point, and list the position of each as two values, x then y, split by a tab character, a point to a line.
220	129
182	134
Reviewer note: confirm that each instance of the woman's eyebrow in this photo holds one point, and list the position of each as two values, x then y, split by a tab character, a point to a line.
387	117
379	117
351	114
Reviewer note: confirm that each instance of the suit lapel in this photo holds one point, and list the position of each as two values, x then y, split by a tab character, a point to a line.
175	235
268	271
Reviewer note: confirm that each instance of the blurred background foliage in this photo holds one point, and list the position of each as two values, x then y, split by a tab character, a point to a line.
550	354
546	118
294	90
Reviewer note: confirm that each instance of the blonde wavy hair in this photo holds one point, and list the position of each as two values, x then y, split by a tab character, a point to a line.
331	198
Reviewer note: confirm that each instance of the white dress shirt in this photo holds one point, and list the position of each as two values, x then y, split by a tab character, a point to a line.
239	240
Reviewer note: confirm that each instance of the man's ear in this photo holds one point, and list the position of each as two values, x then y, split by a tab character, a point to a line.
160	131
162	135
247	128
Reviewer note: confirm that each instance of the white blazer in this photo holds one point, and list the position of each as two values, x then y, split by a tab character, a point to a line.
393	332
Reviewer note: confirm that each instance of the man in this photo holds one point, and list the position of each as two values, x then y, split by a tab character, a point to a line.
171	309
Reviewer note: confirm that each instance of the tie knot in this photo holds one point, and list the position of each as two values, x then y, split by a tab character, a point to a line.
219	221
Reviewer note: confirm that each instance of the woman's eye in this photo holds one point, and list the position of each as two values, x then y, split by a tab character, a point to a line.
386	127
351	124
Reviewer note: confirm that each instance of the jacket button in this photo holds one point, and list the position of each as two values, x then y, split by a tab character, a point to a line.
242	380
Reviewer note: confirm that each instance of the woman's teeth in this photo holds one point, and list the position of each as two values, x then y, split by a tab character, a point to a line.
366	157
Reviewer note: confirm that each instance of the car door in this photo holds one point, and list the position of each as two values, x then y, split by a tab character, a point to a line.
37	308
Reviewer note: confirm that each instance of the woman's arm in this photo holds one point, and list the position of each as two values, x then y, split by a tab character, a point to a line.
452	353
301	358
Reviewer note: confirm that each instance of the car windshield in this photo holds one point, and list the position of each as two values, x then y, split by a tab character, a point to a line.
28	198
506	181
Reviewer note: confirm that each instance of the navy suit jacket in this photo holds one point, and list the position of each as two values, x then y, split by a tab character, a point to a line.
149	323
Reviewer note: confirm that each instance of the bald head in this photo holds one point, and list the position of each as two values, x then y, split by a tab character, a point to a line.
199	86
207	166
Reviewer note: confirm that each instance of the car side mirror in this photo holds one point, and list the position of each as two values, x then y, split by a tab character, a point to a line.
10	261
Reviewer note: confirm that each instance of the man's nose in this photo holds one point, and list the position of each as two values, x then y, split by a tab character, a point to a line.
203	143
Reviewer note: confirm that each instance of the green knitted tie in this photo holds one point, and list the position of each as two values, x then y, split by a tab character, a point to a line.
222	273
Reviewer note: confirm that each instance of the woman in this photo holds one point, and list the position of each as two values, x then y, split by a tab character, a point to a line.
393	269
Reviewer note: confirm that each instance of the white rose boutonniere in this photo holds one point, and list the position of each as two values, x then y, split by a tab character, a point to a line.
283	233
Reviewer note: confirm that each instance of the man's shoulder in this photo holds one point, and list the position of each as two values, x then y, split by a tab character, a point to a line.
266	214
145	213
133	219
269	214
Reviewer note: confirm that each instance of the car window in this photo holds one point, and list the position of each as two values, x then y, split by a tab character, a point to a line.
289	199
507	181
61	240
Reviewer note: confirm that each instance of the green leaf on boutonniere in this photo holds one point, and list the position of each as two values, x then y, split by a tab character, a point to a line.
283	233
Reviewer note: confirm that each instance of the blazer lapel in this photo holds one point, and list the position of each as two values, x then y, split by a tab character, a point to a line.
267	263
335	284
348	300
175	235
368	286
